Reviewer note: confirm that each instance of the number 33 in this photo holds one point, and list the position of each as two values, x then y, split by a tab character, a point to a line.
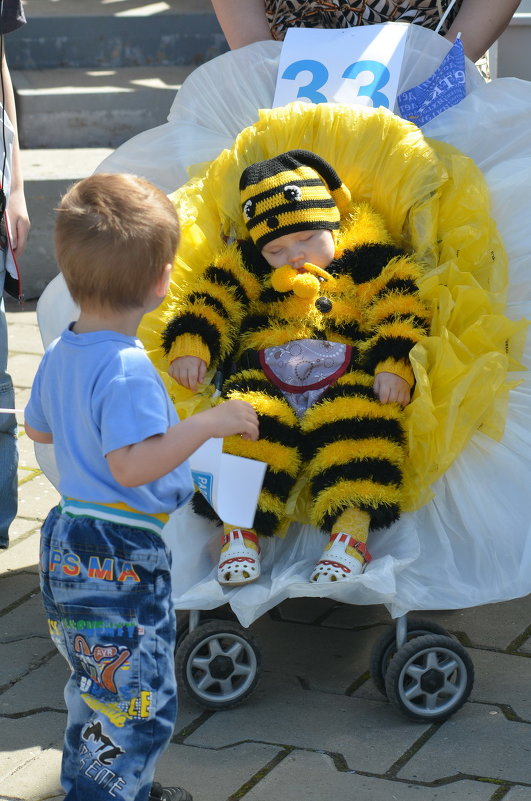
320	76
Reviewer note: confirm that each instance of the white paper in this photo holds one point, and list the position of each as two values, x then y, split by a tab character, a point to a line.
231	484
353	65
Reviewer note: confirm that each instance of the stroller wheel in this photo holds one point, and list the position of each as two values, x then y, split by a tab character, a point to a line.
218	664
430	678
385	647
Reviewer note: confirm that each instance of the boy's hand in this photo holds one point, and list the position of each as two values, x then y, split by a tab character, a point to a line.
189	371
390	388
234	417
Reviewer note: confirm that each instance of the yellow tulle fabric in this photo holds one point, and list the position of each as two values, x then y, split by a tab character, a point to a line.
436	204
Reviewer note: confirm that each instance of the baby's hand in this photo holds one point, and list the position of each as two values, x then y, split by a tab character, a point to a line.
391	388
189	371
234	417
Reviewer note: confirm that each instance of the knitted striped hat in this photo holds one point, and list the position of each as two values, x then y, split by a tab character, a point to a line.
294	191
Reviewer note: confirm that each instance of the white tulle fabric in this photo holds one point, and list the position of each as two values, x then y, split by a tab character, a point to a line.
472	543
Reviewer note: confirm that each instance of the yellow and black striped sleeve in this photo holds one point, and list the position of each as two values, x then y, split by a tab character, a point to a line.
395	317
207	319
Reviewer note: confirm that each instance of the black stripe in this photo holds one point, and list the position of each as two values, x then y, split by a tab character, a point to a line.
254	322
278	483
348	330
202	507
326	203
397	348
270	295
265	524
209	300
365	262
381	471
405	317
249	360
348	391
406	286
253	259
242	383
218	275
192	324
279	188
381	517
353	428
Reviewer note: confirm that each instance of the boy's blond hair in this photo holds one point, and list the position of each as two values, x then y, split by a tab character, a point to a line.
114	234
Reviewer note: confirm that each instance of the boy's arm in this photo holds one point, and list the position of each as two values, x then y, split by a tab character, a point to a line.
44	437
155	456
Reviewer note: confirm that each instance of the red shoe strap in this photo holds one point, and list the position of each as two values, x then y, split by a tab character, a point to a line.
236	533
350	542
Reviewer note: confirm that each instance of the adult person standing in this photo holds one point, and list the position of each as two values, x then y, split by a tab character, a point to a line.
14	229
480	22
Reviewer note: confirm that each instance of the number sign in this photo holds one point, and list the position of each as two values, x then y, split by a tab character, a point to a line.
352	65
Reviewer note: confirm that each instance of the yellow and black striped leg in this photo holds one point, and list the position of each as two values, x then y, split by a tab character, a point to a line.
278	445
353	446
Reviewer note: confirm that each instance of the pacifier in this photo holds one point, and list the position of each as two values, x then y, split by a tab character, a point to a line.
303	282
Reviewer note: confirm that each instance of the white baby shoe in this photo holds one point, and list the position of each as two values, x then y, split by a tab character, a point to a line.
336	564
239	562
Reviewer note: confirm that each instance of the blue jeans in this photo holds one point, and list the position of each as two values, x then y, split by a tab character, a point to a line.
106	591
8	435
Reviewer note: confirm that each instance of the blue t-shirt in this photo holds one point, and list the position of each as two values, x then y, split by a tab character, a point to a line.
95	393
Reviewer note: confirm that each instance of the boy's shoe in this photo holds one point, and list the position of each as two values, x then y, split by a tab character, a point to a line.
336	564
160	793
239	560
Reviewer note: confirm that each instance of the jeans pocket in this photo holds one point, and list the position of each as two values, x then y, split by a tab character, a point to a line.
102	645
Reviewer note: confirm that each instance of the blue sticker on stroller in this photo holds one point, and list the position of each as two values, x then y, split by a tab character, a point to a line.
444	89
203	482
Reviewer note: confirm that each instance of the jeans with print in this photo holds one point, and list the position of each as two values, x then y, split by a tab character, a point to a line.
8	433
106	591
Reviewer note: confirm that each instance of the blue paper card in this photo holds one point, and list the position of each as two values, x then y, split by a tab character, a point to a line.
442	90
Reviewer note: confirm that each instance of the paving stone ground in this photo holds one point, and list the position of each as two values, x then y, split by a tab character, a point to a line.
316	728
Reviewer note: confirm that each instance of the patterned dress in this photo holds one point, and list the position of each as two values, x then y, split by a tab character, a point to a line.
284	14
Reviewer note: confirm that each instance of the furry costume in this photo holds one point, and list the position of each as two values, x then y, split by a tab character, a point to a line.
349	443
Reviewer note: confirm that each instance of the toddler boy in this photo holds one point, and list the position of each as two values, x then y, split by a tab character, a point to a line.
121	456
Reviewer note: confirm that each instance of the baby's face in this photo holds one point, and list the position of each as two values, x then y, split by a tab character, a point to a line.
315	246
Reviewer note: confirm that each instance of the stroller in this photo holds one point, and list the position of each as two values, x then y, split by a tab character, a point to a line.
466	539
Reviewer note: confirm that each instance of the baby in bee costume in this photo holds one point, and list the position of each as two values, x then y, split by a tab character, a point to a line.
315	314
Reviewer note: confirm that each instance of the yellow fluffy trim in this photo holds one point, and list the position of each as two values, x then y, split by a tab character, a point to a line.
280	457
369	228
400	328
397	303
350	450
271	503
230	259
355	377
353	493
346	409
277	408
